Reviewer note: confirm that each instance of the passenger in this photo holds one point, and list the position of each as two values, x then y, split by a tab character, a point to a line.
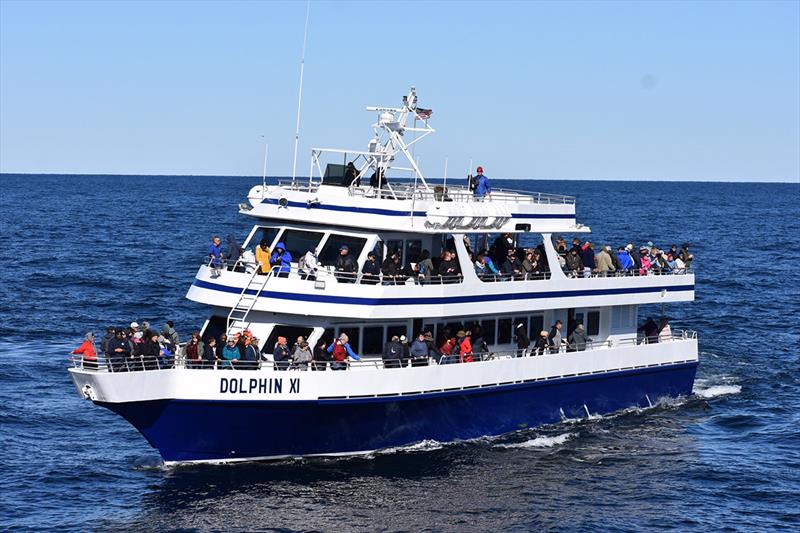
166	353
446	349
530	267
118	351
637	260
151	351
493	271
540	346
301	356
371	271
350	174
321	357
346	267
523	341
215	255
587	258
425	267
449	269
512	268
561	245
378	179
464	343
308	265
578	339
554	338
105	340
194	351
281	354
281	260
482	187
501	245
263	256
404	352
603	262
251	355
168	331
392	353
86	349
218	352
419	351
625	260
664	330
210	354
233	251
644	259
481	268
685	256
658	261
432	349
650	330
574	263
391	269
340	349
230	354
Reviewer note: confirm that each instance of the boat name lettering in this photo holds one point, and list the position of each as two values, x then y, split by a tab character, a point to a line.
257	385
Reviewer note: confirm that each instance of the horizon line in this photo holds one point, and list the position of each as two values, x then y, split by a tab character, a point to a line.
653	180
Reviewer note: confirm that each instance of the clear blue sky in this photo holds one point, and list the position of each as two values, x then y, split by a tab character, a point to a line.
567	90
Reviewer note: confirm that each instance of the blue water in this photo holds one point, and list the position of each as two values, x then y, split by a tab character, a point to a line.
83	252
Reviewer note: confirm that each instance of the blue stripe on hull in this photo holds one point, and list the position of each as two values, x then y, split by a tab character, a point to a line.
188	430
474	298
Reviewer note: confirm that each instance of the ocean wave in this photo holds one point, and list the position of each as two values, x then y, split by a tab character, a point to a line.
541	442
714	391
422	446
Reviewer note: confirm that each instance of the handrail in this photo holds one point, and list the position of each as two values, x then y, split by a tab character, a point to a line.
180	362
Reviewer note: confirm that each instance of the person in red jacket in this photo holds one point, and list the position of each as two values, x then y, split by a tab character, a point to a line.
340	350
464	340
87	350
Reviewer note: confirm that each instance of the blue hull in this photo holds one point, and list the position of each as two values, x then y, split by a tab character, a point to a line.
189	430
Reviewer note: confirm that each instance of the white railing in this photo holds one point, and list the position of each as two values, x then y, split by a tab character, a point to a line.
138	363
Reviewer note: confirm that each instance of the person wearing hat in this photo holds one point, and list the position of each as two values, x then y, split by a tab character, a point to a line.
404	356
371	271
230	353
118	351
603	261
578	339
345	267
625	259
644	260
523	341
464	343
392	353
482	187
86	349
281	261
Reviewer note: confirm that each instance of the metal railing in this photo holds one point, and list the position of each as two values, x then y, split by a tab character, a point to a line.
626	273
105	363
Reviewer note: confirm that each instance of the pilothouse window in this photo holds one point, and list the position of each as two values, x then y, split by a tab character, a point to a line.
298	242
331	249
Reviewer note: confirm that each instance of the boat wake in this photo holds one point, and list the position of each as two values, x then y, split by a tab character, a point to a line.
541	442
722	386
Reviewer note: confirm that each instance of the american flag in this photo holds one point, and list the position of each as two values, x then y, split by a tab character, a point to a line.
424	114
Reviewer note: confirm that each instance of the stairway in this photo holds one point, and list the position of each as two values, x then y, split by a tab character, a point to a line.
237	317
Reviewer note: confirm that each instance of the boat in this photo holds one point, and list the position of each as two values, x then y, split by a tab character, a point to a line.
227	412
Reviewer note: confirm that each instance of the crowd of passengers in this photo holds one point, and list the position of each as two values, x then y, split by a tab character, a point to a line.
135	348
501	261
581	260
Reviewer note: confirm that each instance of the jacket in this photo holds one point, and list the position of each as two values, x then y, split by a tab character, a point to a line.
587	258
229	354
419	349
449	268
574	262
522	339
250	353
343	348
393	351
208	354
302	355
281	353
482	188
87	349
511	267
282	261
115	343
262	258
371	267
233	249
625	260
578	339
490	265
346	263
603	261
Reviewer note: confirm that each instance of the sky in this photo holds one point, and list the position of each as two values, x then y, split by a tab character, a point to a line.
535	90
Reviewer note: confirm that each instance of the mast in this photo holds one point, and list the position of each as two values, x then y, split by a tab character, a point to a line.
300	93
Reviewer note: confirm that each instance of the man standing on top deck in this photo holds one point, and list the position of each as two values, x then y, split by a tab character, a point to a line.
482	187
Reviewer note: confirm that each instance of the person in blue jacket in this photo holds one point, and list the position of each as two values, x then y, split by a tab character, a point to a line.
282	259
215	254
482	187
625	259
230	353
340	349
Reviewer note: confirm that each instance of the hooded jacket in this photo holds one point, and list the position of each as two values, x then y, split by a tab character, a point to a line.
603	260
482	188
578	338
625	260
282	260
233	249
262	258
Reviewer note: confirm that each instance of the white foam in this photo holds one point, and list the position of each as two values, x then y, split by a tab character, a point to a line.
717	390
422	446
541	442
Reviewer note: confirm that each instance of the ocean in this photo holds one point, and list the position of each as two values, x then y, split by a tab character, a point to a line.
86	252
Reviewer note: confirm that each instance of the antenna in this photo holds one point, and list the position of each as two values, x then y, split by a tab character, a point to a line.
444	186
300	94
264	174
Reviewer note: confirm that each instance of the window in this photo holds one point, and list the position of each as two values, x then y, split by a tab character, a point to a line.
373	340
217	325
623	318
413	249
395	246
593	323
290	332
298	242
328	336
489	331
261	234
504	331
537	326
353	335
330	251
398	330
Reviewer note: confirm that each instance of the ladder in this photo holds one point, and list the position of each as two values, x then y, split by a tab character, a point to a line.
237	317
